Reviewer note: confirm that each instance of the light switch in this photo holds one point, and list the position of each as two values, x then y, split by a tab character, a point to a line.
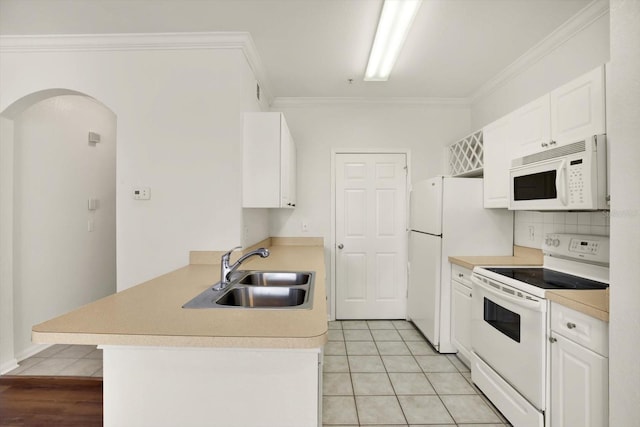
92	204
141	193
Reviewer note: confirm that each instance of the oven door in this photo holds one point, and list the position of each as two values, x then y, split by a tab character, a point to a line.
539	186
508	334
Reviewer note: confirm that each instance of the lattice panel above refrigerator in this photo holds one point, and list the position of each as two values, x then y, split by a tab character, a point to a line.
466	156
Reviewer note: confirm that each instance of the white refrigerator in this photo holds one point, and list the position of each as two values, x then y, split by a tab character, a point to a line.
447	219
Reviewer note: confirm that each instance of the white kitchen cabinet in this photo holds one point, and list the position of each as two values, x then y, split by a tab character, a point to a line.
497	160
269	162
532	127
579	369
461	312
578	108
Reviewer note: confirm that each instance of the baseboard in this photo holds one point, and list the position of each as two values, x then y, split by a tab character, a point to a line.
31	350
8	366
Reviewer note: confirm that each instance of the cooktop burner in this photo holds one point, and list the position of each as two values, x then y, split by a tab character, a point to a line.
548	279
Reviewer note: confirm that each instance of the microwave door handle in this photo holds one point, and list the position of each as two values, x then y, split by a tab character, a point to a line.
534	305
561	181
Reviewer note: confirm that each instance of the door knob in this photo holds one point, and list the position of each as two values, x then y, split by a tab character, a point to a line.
340	246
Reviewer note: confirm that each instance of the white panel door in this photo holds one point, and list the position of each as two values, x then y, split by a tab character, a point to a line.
371	236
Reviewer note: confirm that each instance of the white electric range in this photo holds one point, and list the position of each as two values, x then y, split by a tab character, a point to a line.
510	316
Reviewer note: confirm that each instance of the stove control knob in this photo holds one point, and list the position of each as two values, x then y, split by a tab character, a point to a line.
556	242
548	241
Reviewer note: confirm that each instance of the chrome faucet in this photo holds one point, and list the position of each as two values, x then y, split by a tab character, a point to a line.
226	270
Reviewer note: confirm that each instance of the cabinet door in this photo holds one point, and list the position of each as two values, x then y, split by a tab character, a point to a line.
578	108
461	319
293	171
285	165
497	160
579	385
261	160
531	126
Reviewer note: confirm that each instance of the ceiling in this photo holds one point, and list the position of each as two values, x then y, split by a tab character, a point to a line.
311	48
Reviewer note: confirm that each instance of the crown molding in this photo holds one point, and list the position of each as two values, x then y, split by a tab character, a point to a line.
292	102
585	17
141	41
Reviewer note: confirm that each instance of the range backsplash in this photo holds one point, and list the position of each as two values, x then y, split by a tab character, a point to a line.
530	227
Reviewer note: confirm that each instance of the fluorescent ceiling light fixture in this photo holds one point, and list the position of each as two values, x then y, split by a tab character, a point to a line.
395	20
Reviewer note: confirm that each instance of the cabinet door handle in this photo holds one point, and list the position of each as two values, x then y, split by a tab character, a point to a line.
552	142
460	275
544	144
340	246
552	340
571	325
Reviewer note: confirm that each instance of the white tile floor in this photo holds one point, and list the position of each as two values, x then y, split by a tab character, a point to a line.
63	360
384	372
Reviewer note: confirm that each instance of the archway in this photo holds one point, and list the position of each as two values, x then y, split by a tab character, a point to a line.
49	173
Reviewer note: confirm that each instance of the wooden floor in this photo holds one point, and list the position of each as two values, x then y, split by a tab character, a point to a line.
50	401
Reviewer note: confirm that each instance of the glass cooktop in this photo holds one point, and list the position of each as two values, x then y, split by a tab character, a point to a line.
548	279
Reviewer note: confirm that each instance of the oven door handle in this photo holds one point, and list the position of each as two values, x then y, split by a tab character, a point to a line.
531	304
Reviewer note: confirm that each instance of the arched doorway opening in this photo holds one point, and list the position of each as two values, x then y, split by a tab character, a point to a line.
57	212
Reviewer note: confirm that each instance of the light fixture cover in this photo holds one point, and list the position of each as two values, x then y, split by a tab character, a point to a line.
395	21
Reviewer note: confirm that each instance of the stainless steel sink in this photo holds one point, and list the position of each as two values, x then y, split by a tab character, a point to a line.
260	290
275	278
264	296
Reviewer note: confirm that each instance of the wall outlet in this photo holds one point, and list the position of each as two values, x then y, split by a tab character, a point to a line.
532	232
141	193
305	226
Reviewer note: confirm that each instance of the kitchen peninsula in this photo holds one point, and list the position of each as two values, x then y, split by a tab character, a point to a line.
166	366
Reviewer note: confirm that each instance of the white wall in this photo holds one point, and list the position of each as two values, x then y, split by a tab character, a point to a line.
7	355
255	222
584	51
623	129
317	129
58	264
179	130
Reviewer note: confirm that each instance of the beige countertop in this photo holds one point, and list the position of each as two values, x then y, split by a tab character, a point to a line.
151	313
592	302
521	256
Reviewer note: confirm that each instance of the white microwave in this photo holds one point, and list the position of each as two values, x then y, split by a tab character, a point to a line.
569	177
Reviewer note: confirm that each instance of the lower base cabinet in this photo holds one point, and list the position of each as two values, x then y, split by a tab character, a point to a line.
579	370
461	312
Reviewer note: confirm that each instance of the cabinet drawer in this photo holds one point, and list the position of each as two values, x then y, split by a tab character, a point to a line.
461	274
581	328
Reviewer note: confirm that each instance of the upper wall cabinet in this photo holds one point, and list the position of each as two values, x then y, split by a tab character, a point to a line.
566	115
578	108
497	158
269	162
531	127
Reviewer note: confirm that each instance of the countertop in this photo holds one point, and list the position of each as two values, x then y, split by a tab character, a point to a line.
521	256
595	303
151	313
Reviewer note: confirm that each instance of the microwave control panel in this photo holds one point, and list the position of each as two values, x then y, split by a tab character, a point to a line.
576	182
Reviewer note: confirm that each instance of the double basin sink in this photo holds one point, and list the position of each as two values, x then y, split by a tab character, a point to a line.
260	289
